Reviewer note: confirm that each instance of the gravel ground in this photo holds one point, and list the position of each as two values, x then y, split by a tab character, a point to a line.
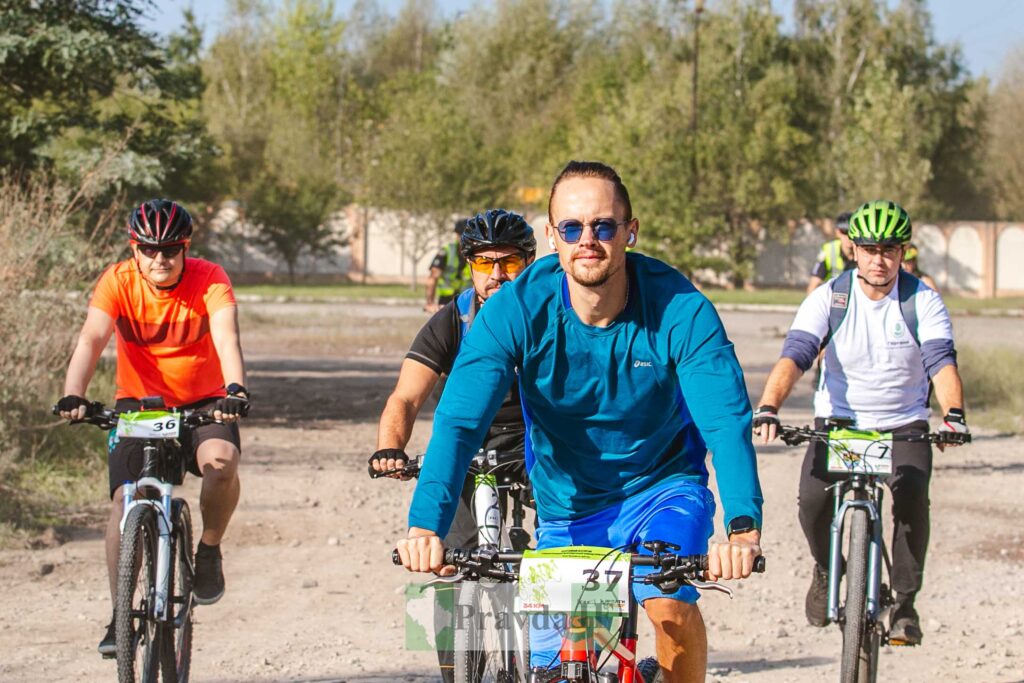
312	595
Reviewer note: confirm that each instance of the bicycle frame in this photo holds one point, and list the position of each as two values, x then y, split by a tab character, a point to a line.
490	524
871	490
162	505
579	656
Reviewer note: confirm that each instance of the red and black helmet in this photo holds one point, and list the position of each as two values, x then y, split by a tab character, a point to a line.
159	222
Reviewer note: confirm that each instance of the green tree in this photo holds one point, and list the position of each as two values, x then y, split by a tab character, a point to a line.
78	75
427	166
273	96
292	218
854	53
1006	146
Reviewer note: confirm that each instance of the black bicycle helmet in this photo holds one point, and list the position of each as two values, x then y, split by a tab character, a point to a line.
159	222
498	228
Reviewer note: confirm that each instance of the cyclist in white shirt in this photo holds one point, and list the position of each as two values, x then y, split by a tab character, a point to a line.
884	336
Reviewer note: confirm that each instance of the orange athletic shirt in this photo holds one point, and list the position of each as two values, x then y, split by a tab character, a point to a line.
164	347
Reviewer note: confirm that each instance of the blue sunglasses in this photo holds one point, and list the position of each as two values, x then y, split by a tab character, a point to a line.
604	229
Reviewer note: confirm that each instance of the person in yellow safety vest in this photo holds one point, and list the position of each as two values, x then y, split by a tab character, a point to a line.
449	273
910	265
835	256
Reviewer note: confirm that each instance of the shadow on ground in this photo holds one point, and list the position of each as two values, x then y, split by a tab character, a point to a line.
747	666
320	390
384	677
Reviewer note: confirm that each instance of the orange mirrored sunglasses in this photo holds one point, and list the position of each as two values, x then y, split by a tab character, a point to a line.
511	264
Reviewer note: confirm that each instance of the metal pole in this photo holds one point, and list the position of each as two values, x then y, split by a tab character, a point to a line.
698	8
366	242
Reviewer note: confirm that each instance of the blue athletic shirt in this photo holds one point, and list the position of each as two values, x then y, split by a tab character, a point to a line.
610	411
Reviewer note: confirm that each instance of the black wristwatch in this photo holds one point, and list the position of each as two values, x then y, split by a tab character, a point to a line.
741	525
235	388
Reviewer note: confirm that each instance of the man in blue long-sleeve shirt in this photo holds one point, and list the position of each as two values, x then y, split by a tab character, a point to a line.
627	379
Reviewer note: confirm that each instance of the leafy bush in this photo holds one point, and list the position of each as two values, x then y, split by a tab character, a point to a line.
54	244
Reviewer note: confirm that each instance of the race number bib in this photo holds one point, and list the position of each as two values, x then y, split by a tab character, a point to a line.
578	579
856	451
148	424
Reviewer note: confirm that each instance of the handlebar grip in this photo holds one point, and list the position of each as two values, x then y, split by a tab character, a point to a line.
759	564
395	557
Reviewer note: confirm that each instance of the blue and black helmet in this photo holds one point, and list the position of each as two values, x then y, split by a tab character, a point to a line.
498	228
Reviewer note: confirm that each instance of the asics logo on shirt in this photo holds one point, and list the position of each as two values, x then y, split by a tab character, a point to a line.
642	364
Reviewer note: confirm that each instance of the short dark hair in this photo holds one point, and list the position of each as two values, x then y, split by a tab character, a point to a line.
843	221
593	169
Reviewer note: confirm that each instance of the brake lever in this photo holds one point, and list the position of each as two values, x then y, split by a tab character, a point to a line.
710	586
454	578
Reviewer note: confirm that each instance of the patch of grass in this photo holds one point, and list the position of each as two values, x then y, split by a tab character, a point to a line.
993	386
328	292
962	305
775	296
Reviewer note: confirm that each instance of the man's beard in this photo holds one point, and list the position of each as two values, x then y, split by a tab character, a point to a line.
592	276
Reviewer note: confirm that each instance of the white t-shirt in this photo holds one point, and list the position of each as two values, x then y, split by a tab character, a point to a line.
873	370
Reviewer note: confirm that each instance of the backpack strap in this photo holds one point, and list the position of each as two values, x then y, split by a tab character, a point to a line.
907	286
466	306
840	303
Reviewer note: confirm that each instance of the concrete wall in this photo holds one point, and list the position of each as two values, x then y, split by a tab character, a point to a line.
965	257
231	241
972	258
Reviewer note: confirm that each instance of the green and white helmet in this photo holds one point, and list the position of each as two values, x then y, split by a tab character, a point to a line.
880	222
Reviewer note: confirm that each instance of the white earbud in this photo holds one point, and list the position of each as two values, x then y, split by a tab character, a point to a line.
632	239
551	243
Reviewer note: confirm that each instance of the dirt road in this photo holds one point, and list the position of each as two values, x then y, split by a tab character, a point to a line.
312	595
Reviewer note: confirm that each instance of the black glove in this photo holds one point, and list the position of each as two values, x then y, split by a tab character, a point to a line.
235	403
767	415
387	454
69	403
954	427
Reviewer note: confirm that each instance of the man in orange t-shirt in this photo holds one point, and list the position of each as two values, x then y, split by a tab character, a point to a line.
177	338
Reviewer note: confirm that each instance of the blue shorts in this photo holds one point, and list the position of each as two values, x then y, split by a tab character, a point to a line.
679	511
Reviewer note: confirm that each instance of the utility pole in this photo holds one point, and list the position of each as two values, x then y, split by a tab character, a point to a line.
698	8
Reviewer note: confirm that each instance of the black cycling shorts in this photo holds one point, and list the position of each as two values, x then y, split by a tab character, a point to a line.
125	458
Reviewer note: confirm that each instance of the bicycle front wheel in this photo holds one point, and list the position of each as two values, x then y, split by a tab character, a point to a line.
176	635
854	611
138	644
484	637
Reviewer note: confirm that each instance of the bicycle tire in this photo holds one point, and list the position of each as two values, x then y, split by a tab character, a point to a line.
176	644
480	652
650	670
138	647
855	607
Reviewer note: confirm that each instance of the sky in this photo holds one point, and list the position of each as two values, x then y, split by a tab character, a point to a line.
985	29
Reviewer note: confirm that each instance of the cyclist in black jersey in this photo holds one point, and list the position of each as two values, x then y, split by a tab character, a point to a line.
497	245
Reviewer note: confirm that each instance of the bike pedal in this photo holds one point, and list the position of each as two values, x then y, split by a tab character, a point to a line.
901	643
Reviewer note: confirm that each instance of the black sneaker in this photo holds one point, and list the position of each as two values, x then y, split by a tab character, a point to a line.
816	605
906	626
108	646
209	583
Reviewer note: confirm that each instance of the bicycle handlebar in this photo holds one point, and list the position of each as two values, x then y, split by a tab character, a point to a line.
794	436
484	462
675	569
100	416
